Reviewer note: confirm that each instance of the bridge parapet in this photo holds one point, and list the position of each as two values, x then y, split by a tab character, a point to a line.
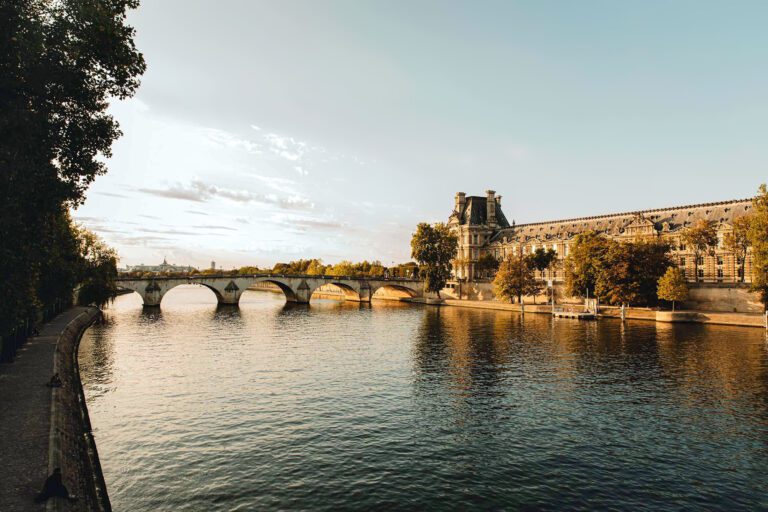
297	288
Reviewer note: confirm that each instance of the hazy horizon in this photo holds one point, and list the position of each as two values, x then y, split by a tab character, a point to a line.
266	132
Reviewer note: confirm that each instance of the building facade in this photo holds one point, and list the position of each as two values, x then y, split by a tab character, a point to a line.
482	228
162	267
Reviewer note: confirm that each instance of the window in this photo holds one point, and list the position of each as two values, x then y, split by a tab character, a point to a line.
719	260
701	272
700	260
682	247
682	262
720	273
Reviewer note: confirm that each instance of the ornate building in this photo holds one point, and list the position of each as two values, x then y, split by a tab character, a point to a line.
162	267
482	228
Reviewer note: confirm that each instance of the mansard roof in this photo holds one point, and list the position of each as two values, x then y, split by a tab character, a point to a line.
666	220
475	213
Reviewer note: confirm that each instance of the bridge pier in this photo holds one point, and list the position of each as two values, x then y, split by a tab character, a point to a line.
230	294
364	292
302	293
152	294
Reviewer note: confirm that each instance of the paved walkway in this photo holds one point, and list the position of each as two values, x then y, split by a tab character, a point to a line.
25	414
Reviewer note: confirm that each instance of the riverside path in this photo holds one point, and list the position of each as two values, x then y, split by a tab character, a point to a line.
25	417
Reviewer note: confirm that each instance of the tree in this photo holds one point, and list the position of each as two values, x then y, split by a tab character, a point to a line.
672	286
616	282
516	278
758	238
629	271
342	268
543	259
433	247
737	242
702	239
487	265
98	269
60	64
315	268
582	265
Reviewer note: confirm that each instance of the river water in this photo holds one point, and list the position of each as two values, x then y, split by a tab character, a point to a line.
340	406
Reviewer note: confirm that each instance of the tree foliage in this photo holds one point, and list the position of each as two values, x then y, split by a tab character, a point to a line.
60	63
516	278
672	286
758	238
617	272
583	263
702	239
737	242
433	247
486	265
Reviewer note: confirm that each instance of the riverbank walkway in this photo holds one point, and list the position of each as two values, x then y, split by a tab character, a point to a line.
25	417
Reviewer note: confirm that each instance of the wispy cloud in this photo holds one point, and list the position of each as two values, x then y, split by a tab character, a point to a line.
229	140
225	228
304	224
285	146
197	191
110	194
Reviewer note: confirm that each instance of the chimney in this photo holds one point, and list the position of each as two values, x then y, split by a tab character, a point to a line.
461	198
490	204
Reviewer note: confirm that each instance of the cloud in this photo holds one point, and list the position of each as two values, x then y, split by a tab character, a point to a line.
242	220
150	217
285	185
200	192
303	224
111	194
285	147
167	231
195	212
226	228
229	140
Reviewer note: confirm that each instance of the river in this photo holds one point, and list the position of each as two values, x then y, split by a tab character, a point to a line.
389	406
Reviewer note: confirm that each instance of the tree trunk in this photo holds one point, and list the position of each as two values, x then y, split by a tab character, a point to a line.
673	305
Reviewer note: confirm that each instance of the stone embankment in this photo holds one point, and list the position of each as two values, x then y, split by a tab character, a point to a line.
701	317
44	428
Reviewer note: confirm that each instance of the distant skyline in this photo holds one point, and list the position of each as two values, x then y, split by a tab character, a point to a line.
271	131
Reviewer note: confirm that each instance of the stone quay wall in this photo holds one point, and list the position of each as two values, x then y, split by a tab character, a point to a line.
712	297
71	444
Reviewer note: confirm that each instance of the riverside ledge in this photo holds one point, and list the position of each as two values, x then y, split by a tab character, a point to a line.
44	428
683	316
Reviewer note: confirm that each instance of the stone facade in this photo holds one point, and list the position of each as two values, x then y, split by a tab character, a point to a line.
162	267
482	228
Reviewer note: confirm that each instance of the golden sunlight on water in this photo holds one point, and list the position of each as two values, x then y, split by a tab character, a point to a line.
393	406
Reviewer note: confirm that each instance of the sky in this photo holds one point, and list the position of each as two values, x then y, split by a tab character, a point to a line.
270	131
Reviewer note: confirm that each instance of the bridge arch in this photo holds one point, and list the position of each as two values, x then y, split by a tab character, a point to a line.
290	294
349	292
393	291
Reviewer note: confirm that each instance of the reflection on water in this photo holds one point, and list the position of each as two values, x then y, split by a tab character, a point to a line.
348	406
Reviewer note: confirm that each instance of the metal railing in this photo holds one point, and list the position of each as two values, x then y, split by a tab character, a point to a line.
11	341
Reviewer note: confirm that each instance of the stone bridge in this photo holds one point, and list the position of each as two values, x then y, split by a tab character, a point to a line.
297	288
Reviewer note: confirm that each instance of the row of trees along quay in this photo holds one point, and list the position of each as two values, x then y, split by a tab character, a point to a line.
60	64
639	273
308	267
